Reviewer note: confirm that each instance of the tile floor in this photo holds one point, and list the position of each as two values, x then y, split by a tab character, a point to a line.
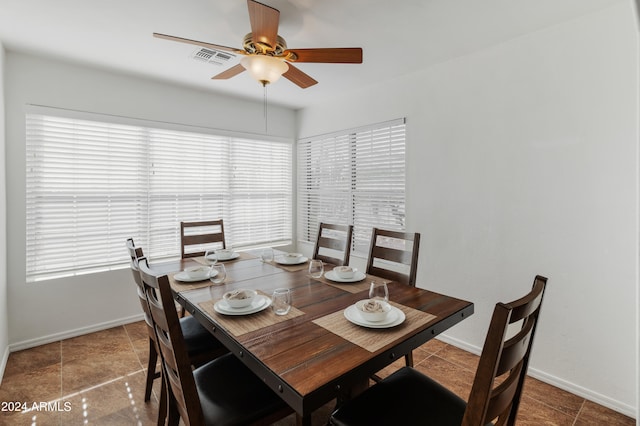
98	379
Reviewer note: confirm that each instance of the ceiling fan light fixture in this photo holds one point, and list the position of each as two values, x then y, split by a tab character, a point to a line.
264	68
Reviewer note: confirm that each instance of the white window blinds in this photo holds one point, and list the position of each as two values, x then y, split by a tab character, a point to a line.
353	177
91	185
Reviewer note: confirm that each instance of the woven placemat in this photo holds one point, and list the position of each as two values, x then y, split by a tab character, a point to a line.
356	287
290	268
373	339
242	324
179	286
243	256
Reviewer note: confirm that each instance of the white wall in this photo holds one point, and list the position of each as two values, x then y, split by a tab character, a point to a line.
49	310
522	160
4	329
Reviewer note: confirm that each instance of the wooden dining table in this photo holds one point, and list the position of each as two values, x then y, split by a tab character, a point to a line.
313	354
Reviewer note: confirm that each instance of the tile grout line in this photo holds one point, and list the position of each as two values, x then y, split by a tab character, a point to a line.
133	347
584	401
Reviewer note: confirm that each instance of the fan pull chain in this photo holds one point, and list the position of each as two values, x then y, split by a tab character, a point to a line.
265	109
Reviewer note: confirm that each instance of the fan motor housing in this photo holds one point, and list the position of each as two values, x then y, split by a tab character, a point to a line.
252	47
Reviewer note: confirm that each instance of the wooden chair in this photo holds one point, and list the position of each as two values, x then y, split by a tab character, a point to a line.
135	253
394	255
333	241
200	234
391	253
201	345
408	397
220	392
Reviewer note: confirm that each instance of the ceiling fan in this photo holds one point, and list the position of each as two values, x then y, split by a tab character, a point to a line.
266	55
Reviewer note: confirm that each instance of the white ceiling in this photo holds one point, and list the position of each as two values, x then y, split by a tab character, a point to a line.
397	37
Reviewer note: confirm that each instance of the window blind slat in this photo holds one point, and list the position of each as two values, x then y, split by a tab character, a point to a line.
91	185
353	177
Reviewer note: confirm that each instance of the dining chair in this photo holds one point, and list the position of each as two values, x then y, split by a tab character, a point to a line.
408	397
333	244
201	345
195	237
220	392
394	255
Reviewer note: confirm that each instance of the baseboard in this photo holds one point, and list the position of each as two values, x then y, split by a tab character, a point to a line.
26	344
459	344
585	393
3	363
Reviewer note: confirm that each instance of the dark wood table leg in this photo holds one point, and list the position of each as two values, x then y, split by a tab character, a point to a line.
303	421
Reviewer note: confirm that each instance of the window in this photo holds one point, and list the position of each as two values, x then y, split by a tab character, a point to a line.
353	177
91	185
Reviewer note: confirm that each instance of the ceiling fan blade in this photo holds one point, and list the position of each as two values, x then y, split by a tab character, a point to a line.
298	77
198	43
264	23
231	72
342	55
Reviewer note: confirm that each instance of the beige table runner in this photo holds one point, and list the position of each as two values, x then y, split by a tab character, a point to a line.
242	324
373	339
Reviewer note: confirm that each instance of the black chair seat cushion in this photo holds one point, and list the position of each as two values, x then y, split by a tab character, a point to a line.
230	394
197	338
407	397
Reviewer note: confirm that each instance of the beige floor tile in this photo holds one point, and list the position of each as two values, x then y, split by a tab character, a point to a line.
95	370
552	396
32	385
31	418
137	330
119	402
535	413
99	344
34	358
459	357
594	414
454	377
97	358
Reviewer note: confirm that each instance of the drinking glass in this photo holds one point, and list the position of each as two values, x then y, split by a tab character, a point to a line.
316	268
379	291
281	301
266	255
210	257
218	273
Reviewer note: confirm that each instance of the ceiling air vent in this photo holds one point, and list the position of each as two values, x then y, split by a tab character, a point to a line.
212	56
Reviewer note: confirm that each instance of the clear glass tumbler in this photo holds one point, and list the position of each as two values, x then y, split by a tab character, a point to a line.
281	301
218	273
267	255
316	268
379	291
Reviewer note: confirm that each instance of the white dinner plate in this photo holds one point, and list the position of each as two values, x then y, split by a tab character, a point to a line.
259	303
297	261
394	318
185	278
235	255
357	276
